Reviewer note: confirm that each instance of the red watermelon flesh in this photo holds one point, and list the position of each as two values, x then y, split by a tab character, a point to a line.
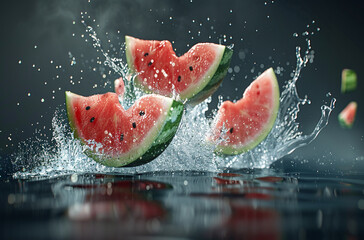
240	126
347	116
195	74
118	137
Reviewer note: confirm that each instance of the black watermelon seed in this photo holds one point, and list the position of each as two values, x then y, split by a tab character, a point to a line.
121	137
149	64
88	108
146	54
231	130
92	119
191	68
179	78
134	125
141	113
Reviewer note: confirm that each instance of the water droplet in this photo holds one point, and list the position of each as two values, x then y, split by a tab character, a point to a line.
74	178
42	100
19	61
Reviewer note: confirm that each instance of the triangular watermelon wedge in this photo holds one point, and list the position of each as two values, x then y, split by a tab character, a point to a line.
239	127
347	115
117	137
193	77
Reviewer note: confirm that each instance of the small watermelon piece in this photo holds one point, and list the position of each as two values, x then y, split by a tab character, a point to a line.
119	87
239	127
118	138
348	80
194	76
347	116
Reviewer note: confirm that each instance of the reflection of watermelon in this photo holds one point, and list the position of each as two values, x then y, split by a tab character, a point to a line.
118	137
240	126
347	116
194	76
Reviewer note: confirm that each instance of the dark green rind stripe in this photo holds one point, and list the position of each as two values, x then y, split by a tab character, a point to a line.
216	79
164	137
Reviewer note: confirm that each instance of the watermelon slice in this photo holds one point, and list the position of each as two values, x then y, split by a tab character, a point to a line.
194	76
240	126
347	116
116	137
348	80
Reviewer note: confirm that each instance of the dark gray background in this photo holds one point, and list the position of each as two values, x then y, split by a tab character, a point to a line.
266	28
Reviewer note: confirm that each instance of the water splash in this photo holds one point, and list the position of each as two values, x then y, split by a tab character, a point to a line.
116	64
188	150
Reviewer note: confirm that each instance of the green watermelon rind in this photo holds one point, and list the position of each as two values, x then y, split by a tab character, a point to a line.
152	146
69	113
129	57
348	80
217	78
197	92
234	149
165	136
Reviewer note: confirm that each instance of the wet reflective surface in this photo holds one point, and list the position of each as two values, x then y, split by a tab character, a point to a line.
239	204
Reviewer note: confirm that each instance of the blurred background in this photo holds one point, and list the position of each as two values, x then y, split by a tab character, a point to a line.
46	51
